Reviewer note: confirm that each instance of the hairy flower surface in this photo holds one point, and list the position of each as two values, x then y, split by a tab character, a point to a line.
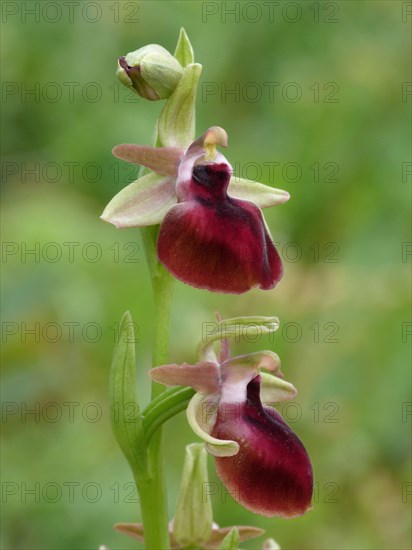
212	233
262	462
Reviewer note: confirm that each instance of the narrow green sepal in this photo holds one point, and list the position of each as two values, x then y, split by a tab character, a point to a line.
193	521
262	195
231	540
184	51
176	125
126	419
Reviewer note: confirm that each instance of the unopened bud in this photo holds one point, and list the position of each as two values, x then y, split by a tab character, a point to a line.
193	519
151	71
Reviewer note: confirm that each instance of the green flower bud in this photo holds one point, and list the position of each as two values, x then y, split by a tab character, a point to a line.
193	519
151	71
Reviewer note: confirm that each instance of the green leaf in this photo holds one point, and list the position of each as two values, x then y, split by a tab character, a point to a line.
231	541
194	517
184	51
176	125
126	419
166	405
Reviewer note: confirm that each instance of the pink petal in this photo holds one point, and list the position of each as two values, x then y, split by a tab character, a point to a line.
271	474
162	160
202	377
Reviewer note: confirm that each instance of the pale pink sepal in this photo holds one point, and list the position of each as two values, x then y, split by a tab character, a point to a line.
144	202
163	160
202	377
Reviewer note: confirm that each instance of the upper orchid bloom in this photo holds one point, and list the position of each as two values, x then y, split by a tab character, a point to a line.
212	234
263	464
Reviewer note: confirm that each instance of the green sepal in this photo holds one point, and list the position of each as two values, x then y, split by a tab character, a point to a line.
143	202
126	419
193	521
184	51
231	540
260	194
176	125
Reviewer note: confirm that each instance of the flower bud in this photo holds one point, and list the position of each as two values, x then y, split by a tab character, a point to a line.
193	520
151	71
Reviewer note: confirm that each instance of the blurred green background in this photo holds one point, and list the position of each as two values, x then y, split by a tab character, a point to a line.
316	109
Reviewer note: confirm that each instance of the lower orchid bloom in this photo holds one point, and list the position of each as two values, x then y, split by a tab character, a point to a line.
261	461
212	234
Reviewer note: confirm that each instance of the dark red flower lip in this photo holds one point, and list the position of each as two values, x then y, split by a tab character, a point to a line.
271	474
212	241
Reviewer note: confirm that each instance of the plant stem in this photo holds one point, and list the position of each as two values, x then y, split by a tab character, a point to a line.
152	491
153	498
162	293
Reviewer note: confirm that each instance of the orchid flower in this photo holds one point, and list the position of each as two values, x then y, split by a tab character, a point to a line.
260	460
212	234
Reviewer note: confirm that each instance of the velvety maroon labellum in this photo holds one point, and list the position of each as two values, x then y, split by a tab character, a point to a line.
271	474
215	242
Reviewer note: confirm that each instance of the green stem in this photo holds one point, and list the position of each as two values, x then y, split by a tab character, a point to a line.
162	292
153	498
152	490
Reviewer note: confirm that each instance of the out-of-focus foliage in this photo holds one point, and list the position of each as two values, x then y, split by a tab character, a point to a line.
342	302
